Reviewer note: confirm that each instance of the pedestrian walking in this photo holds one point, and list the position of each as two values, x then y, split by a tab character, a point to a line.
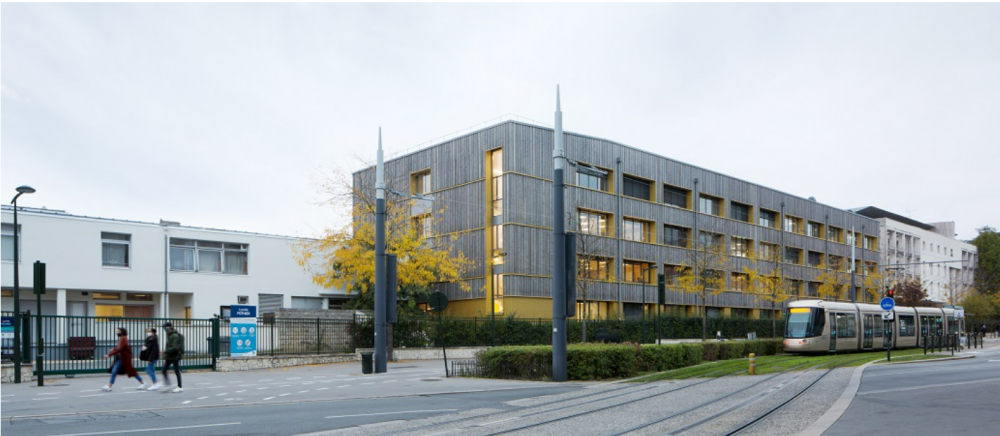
998	330
172	355
151	353
123	361
983	330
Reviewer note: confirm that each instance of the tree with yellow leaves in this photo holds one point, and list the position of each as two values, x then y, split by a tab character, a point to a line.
833	281
766	280
703	271
344	258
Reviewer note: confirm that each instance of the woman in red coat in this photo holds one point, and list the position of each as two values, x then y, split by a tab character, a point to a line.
123	361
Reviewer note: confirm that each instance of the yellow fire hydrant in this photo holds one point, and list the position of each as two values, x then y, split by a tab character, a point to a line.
753	364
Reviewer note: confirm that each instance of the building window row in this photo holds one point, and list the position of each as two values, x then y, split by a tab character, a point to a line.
208	256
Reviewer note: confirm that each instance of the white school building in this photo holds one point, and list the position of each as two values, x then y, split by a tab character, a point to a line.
120	268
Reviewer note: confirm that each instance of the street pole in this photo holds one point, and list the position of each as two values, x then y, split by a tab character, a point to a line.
17	286
854	237
559	370
380	288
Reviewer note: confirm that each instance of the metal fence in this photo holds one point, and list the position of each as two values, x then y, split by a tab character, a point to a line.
78	344
297	336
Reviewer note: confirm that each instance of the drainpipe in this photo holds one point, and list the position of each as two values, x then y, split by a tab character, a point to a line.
618	239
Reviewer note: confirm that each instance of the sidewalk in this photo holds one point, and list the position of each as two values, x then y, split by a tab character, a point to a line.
316	383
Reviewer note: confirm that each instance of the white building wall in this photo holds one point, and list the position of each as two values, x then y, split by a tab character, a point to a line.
946	264
72	250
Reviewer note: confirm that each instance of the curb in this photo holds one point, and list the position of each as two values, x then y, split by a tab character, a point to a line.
840	406
941	359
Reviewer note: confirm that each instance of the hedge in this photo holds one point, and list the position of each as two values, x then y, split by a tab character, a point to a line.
604	361
422	331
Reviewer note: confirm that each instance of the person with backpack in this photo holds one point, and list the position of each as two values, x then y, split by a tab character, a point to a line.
172	355
123	361
151	353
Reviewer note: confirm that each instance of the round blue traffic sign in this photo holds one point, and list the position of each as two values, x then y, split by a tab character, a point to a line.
887	303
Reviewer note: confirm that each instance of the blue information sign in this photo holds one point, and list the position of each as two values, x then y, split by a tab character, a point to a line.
888	303
8	335
242	330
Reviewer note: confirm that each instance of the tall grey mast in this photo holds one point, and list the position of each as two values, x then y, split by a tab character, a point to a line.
380	278
559	372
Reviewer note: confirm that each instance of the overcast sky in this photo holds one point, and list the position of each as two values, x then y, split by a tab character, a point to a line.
225	115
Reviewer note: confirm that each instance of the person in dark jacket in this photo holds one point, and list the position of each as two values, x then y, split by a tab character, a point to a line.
151	353
123	361
172	355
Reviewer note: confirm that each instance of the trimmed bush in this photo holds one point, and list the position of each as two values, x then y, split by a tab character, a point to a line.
603	361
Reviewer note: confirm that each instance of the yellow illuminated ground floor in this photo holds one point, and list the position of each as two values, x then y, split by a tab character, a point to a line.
528	307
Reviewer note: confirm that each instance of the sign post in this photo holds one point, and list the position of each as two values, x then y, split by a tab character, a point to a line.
242	331
438	302
887	304
39	285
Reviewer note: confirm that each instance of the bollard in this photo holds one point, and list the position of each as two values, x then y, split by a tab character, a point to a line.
925	344
753	364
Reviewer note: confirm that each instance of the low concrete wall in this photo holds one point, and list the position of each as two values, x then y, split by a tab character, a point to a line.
428	353
7	376
230	364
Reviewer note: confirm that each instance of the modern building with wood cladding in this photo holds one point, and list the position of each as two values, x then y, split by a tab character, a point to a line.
493	188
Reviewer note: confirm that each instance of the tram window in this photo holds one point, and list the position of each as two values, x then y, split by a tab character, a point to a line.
878	327
846	326
906	326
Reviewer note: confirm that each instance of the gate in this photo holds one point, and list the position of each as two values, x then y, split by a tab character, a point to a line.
77	344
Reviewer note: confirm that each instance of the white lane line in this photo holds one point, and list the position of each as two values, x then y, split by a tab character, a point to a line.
240	392
203	383
246	386
322	389
88	390
928	386
293	378
149	429
265	387
994	361
88	396
50	393
302	392
282	395
344	386
268	398
265	379
216	387
224	393
186	402
43	399
229	399
284	386
390	381
369	383
392	413
201	398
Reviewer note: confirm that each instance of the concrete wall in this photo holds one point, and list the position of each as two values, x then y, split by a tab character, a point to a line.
7	373
230	364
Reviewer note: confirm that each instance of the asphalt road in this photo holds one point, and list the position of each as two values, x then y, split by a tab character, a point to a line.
936	398
273	402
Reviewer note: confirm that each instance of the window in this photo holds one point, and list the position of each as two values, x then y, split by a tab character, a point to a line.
675	236
846	326
709	240
741	247
814	229
420	183
833	234
672	274
768	218
109	310
740	212
496	163
795	287
498	253
636	188
7	293
793	255
813	289
7	244
768	251
208	256
675	196
836	263
593	223
793	224
115	249
870	242
710	205
498	294
637	272
849	238
591	177
636	230
740	282
107	296
815	259
422	224
593	267
139	297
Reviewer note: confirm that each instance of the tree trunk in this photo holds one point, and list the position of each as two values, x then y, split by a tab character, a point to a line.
774	322
704	318
586	314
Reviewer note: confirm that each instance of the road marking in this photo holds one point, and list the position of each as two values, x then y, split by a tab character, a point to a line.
43	399
246	386
497	422
240	392
265	387
282	395
994	361
50	393
88	390
188	401
302	392
322	389
344	386
229	399
224	393
392	413
928	386
266	379
293	378
284	386
149	429
88	396
203	383
369	383
216	387
268	398
390	381
201	398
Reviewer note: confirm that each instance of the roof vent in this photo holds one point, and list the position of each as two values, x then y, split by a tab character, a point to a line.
812	198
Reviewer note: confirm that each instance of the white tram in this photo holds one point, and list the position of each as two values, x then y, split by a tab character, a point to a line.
817	326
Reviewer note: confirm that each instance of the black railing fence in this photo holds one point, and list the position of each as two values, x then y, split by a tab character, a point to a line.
297	336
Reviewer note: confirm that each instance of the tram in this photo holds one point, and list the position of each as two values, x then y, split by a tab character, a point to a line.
817	326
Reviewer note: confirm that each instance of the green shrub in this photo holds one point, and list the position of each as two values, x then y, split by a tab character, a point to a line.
598	361
667	357
517	362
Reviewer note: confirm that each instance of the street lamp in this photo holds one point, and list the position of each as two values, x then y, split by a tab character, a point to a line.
24	189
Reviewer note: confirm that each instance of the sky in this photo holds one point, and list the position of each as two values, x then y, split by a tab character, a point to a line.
230	115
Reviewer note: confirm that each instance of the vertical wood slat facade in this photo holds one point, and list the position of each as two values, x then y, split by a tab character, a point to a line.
458	181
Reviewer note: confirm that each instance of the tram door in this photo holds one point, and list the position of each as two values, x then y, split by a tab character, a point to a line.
869	331
833	332
924	320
